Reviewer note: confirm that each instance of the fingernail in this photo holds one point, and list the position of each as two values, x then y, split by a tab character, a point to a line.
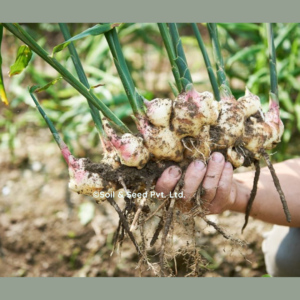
175	172
199	165
228	165
217	157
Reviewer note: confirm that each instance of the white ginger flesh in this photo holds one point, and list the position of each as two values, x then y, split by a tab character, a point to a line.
110	154
162	142
235	158
159	111
230	128
168	122
232	118
130	149
192	111
250	104
196	124
263	133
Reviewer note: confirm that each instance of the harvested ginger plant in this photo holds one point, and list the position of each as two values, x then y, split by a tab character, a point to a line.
176	131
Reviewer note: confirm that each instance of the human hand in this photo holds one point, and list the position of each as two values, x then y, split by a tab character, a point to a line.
217	182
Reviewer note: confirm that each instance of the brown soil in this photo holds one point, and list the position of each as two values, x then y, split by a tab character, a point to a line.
132	177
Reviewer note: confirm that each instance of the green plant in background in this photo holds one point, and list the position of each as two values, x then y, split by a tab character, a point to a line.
243	48
62	103
208	65
266	275
239	52
153	139
245	64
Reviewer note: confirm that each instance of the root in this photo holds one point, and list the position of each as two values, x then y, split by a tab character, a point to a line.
144	258
122	236
156	211
123	184
242	150
143	246
223	233
125	227
197	209
116	237
185	145
277	185
129	207
168	222
157	232
137	214
215	226
195	265
164	237
113	203
253	193
198	150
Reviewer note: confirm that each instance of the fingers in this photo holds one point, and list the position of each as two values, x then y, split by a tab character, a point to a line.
167	181
211	181
217	183
223	195
193	177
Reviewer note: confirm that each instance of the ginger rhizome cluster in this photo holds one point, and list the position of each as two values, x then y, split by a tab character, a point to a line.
190	127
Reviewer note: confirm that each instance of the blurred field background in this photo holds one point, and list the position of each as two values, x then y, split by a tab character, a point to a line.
47	231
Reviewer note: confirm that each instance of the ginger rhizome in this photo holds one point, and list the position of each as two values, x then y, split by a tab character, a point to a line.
191	127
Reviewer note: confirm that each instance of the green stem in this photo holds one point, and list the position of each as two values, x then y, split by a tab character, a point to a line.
165	34
180	56
272	60
120	56
82	77
134	98
211	74
51	126
20	33
3	96
213	32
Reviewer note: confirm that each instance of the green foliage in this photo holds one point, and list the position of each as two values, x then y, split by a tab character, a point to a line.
180	58
165	34
3	96
95	30
20	33
242	55
210	71
46	86
221	74
82	77
272	61
23	58
133	96
245	52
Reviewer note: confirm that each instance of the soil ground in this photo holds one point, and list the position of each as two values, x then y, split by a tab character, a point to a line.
41	234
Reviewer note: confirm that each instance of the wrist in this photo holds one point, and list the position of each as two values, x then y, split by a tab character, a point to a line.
241	195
